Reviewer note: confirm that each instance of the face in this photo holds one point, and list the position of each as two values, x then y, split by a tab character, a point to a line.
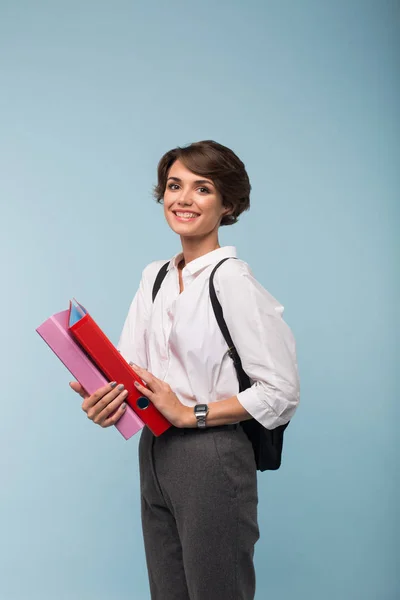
192	204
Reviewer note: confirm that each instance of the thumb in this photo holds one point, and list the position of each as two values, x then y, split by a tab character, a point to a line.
74	385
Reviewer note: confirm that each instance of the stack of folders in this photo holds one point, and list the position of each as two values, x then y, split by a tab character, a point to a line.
93	360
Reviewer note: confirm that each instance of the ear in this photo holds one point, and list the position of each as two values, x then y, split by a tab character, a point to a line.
228	210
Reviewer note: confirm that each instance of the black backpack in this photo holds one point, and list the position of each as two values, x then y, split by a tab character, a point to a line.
267	443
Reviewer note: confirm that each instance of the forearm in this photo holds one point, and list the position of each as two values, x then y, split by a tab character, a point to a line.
220	413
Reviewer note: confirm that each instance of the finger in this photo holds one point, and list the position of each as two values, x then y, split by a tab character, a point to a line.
74	385
111	408
147	377
99	400
144	375
144	390
114	418
140	371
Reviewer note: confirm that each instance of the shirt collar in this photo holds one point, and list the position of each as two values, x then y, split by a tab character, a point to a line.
194	266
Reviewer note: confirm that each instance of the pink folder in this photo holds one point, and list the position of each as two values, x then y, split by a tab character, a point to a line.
55	333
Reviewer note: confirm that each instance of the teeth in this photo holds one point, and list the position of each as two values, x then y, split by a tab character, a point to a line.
186	215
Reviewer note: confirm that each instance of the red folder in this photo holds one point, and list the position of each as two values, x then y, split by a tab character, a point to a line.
110	362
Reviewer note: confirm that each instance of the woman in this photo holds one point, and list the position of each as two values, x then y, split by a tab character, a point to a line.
198	480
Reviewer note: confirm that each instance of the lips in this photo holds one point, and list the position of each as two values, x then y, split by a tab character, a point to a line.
188	211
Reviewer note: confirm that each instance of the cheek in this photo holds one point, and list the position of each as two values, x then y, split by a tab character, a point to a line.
212	209
166	203
168	200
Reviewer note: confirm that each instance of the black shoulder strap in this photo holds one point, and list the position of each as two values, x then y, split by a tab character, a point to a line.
244	381
159	279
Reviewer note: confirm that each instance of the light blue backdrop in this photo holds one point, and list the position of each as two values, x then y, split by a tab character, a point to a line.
307	93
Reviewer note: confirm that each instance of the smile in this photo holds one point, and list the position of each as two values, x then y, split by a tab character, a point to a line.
185	216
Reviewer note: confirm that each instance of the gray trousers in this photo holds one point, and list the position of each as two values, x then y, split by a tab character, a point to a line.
199	513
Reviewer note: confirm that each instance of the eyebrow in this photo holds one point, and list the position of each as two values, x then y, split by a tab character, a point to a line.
198	181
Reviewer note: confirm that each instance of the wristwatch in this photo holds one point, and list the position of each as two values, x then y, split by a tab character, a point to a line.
201	411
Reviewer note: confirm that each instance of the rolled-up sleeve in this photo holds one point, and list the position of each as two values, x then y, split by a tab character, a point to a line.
132	342
265	344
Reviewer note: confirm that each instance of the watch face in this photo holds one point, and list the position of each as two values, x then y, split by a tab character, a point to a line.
201	408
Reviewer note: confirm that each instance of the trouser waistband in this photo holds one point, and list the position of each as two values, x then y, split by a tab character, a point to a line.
190	430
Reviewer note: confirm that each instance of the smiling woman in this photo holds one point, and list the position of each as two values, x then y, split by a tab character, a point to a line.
188	199
199	479
221	172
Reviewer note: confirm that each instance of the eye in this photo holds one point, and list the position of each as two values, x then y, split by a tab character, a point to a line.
204	190
173	186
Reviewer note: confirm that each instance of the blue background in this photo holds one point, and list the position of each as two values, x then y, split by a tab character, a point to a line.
307	93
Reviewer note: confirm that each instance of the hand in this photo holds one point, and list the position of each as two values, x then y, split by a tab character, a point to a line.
106	406
164	399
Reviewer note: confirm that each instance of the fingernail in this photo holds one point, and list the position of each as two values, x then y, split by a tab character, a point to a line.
113	384
123	405
133	365
121	387
137	383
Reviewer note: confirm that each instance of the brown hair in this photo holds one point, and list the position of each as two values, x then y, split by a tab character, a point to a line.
218	163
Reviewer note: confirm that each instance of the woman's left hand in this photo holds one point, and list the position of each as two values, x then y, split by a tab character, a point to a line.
164	399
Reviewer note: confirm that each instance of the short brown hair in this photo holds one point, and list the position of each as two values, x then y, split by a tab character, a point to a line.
218	163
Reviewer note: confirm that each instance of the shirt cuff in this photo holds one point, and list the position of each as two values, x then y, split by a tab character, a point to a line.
258	409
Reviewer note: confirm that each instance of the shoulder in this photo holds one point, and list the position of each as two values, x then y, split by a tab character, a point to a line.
149	275
232	269
150	271
235	279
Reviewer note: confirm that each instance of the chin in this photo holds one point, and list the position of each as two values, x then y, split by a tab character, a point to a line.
178	227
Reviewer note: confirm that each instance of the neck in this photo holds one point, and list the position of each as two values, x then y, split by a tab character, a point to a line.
195	247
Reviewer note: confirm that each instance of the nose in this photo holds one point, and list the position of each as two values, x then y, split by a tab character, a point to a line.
184	199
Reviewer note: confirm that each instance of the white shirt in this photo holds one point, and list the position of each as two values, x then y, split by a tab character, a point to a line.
178	339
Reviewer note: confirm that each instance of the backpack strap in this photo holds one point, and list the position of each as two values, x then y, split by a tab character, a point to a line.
159	279
244	380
